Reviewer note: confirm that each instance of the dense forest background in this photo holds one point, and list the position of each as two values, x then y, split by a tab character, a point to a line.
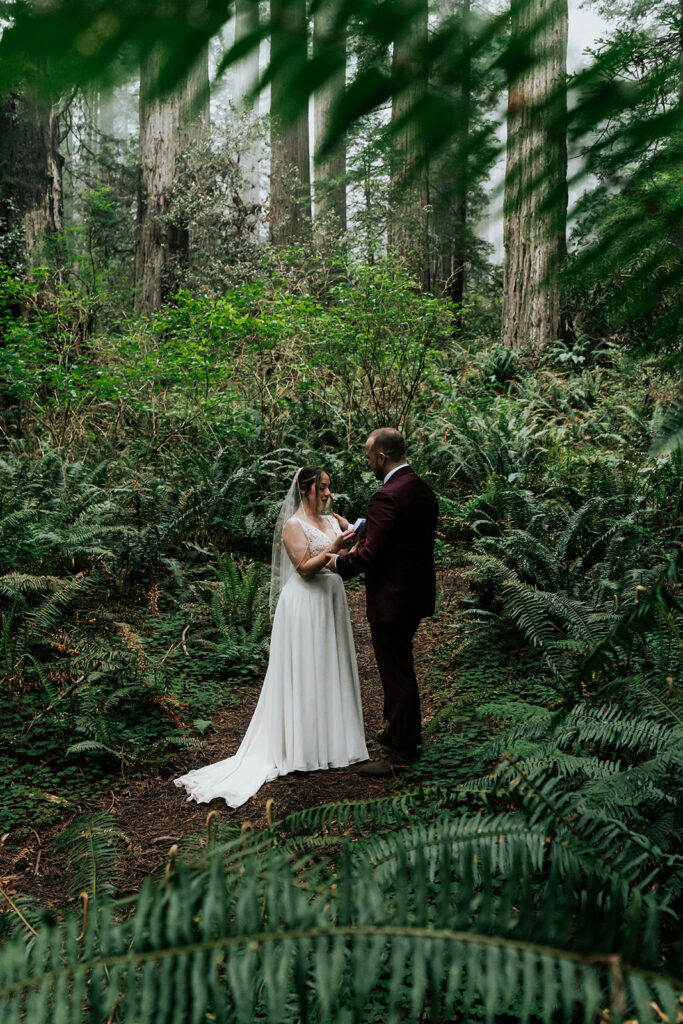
232	241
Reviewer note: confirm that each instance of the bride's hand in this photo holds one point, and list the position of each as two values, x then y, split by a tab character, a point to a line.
341	541
343	523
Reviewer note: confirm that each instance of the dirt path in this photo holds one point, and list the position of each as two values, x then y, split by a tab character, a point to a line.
153	814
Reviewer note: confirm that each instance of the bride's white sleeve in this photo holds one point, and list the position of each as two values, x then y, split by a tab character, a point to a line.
295	542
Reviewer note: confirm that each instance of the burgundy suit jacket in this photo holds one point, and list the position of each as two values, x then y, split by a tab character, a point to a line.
396	552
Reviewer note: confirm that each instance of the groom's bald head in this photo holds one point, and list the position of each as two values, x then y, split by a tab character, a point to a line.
385	449
388	441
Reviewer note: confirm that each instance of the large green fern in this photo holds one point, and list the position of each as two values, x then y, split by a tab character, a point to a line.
261	945
92	845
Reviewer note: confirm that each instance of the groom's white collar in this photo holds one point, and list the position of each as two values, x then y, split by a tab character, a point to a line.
394	470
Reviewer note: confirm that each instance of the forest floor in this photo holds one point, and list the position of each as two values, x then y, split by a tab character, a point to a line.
152	814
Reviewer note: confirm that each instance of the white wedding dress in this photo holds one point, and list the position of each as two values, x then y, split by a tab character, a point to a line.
309	714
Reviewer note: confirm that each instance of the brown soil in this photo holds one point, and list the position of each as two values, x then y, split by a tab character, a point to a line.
153	814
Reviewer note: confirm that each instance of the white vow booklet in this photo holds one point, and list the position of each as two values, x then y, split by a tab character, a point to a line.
358	525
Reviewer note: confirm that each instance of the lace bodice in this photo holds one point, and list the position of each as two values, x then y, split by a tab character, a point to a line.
318	540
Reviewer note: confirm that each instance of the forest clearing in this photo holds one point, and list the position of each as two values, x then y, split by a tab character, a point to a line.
236	240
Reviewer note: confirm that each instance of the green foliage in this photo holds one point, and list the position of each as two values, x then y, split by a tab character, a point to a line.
263	941
670	434
239	610
364	354
96	612
499	365
566	577
473	450
645	316
625	274
379	340
92	846
529	867
623	119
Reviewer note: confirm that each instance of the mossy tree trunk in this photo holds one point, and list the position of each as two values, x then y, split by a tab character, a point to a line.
330	168
535	206
408	230
31	197
449	188
246	77
455	283
168	123
290	176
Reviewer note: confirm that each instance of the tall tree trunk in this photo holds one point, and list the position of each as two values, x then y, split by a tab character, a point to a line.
89	141
167	124
455	286
31	198
330	170
290	177
91	137
449	186
246	74
408	215
535	206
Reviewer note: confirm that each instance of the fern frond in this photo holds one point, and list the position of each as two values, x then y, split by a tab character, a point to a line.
549	759
499	843
93	845
531	560
608	726
46	616
92	746
16	584
209	943
529	608
670	433
493	569
578	525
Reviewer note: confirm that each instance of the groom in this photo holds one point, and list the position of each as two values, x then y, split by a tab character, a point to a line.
396	553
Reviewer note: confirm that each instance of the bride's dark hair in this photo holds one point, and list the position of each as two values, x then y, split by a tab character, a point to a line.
308	475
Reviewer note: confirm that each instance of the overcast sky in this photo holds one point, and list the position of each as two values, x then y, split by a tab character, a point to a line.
585	26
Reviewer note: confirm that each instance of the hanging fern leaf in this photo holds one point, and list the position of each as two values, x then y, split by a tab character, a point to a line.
670	434
251	944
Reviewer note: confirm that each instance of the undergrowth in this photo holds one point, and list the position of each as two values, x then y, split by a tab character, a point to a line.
529	867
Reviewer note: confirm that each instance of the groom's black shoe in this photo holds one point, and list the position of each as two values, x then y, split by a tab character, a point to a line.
383	738
397	759
376	770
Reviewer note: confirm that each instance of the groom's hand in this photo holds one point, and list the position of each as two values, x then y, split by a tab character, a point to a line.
331	562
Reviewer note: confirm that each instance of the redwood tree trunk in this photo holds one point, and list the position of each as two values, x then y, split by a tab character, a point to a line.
449	187
290	178
535	204
167	124
330	169
246	77
30	169
455	285
408	215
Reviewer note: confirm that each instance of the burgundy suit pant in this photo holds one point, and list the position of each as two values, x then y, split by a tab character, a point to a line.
393	645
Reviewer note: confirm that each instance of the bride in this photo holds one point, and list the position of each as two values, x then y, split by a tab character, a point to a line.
309	713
